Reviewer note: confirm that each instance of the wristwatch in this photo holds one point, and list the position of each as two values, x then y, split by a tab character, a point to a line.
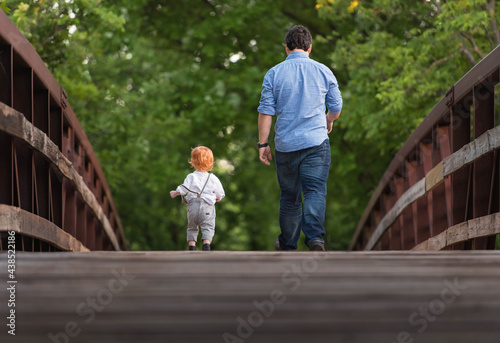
263	145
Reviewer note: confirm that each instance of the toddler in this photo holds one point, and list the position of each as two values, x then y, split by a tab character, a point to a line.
201	190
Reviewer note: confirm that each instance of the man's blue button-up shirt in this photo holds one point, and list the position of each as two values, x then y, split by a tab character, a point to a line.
297	90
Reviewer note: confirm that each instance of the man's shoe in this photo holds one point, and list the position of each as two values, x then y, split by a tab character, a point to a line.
277	245
317	246
206	247
192	247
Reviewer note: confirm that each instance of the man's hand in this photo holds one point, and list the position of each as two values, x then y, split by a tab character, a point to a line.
329	125
330	118
265	155
265	122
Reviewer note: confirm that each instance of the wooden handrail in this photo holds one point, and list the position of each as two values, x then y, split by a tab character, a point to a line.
475	228
471	152
28	224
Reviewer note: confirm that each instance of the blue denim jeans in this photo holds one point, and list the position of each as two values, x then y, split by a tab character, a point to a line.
302	173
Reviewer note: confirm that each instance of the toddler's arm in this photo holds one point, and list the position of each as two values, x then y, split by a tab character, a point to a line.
174	194
219	191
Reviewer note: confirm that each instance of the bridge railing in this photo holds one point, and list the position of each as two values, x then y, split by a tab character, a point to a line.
53	192
442	189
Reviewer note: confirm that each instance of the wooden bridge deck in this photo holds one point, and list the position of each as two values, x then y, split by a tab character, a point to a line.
255	297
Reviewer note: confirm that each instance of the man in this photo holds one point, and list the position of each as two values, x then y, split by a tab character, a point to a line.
296	91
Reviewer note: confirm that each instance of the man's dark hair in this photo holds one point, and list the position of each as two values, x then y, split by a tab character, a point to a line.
298	37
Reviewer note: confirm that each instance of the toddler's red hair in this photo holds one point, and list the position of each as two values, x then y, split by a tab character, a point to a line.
202	159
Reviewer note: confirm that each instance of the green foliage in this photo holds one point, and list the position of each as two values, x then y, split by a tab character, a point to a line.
3	7
149	80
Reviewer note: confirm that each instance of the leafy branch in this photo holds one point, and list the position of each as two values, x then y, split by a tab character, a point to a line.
490	8
3	7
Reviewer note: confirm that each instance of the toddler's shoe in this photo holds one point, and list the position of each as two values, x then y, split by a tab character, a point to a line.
192	247
206	247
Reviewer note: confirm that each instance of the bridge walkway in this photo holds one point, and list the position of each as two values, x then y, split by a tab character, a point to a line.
221	296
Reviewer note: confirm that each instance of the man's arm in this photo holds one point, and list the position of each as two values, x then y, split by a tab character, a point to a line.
265	123
330	118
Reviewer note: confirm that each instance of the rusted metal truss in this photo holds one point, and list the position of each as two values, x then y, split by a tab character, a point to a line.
442	189
53	192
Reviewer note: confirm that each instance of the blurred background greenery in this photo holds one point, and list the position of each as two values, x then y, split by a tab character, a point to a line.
151	79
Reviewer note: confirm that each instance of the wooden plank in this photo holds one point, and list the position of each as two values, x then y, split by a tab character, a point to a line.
434	177
484	120
6	53
403	202
485	226
412	169
439	210
205	296
444	138
428	165
457	233
396	229
460	136
6	158
487	142
28	224
408	225
424	246
437	242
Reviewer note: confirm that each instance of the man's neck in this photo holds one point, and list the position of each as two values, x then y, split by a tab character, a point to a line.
288	51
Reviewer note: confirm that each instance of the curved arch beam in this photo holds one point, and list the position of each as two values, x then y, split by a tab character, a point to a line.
21	221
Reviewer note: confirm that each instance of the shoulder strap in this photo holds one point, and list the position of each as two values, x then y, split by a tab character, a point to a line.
204	185
187	189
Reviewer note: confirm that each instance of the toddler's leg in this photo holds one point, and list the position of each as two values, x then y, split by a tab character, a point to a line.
192	245
206	245
207	234
208	226
192	229
192	234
